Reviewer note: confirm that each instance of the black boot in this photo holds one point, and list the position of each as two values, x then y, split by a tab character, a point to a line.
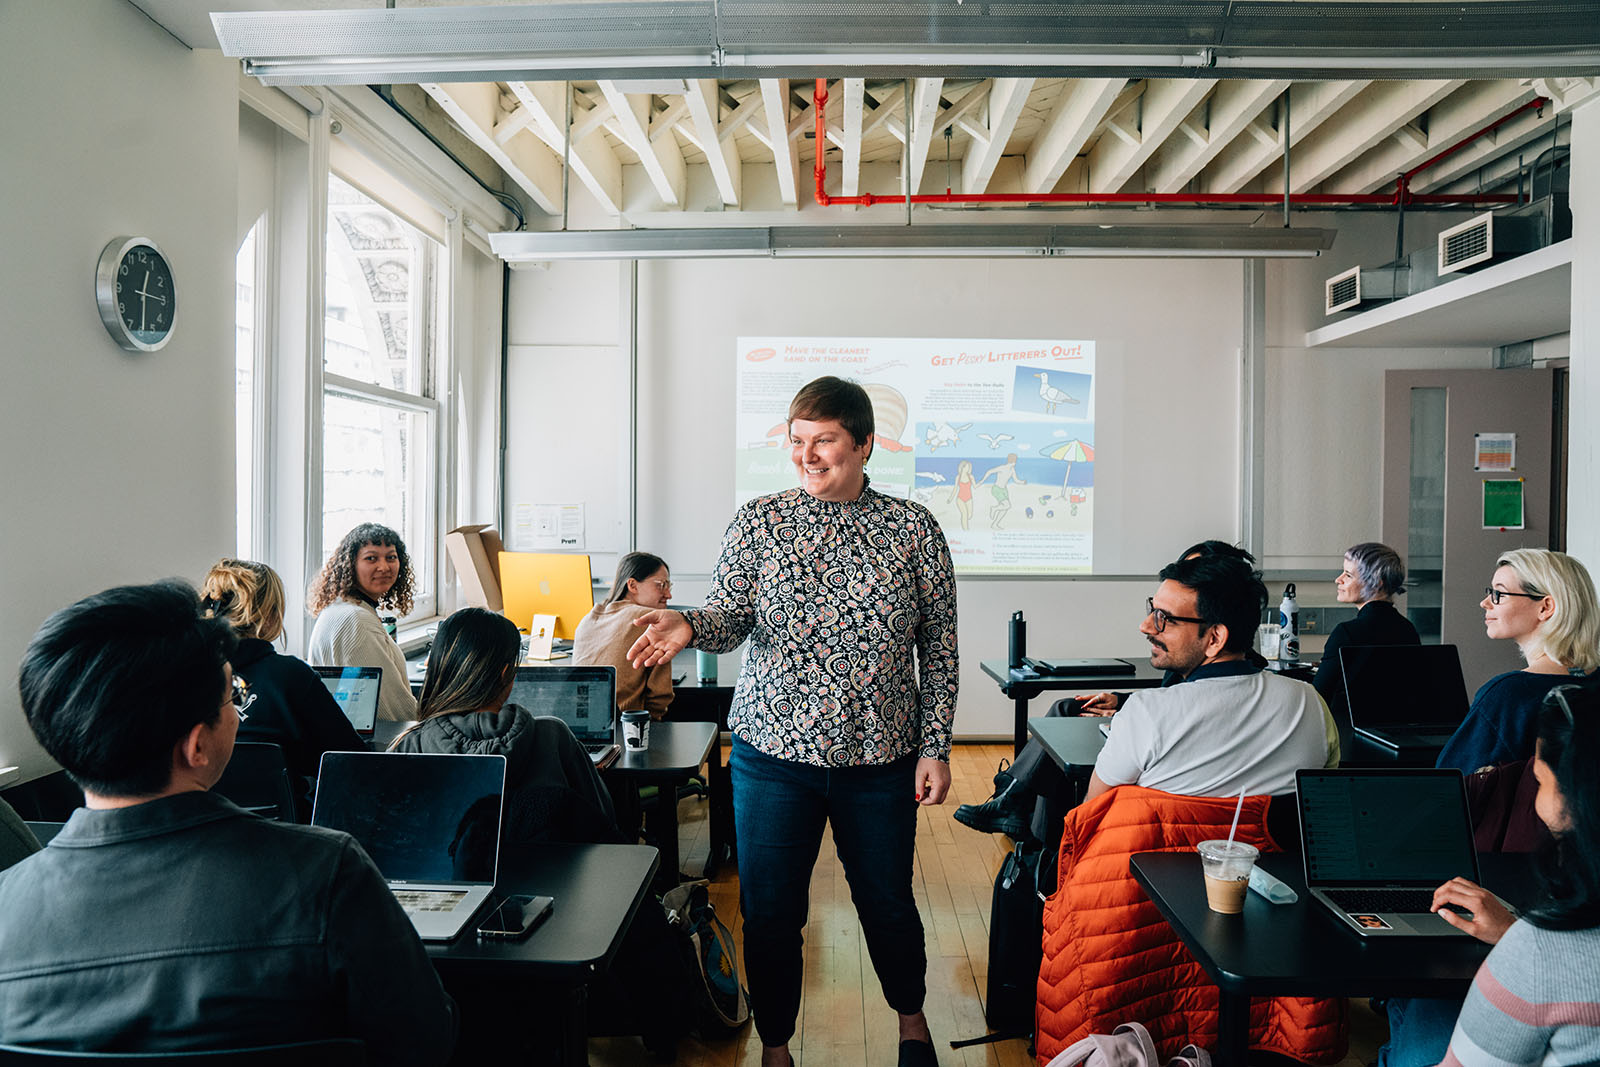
1007	812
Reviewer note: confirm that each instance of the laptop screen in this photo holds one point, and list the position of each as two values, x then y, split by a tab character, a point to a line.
1395	685
585	698
1379	828
422	818
356	690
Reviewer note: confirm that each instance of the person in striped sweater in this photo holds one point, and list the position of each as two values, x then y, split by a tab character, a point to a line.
1536	999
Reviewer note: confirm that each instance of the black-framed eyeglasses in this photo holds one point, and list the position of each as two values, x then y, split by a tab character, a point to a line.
1164	617
1494	595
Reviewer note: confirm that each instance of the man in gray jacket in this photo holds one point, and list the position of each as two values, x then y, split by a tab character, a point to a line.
164	918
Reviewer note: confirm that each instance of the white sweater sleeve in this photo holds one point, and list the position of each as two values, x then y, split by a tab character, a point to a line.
348	634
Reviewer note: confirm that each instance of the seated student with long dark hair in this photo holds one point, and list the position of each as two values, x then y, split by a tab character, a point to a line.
471	669
1536	999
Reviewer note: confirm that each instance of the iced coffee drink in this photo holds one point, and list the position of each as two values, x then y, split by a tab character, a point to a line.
1227	866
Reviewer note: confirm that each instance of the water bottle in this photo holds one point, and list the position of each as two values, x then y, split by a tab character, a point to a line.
1289	627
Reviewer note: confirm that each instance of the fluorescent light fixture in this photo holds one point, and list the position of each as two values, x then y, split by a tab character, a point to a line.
656	40
914	242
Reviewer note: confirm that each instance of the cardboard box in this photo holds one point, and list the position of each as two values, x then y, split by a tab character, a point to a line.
475	554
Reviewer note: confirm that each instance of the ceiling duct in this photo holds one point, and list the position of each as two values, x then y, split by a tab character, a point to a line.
1360	288
1487	239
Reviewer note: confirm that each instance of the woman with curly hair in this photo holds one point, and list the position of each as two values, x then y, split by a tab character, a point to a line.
284	701
368	571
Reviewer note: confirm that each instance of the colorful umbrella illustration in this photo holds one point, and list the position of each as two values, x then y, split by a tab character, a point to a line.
1073	451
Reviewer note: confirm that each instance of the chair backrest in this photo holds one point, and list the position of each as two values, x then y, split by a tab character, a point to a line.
257	779
16	840
331	1052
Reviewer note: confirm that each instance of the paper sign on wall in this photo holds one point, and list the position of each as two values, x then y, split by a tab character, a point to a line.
1502	504
1494	451
547	527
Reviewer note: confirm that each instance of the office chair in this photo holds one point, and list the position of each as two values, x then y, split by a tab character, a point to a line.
331	1052
257	779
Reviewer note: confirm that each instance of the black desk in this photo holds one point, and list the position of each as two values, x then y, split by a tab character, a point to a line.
677	750
1021	691
1070	740
597	890
1293	950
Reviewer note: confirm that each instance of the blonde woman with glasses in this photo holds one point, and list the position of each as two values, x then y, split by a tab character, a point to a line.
643	583
1545	602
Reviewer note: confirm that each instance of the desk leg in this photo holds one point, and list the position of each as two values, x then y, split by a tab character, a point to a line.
1233	1029
575	1028
662	822
719	789
1020	726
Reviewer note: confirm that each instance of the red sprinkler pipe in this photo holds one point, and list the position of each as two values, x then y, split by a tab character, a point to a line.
1402	185
1401	194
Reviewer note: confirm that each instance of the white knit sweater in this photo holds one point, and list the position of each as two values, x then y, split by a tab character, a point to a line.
348	633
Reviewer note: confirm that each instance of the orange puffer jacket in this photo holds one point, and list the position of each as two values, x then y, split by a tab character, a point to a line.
1110	958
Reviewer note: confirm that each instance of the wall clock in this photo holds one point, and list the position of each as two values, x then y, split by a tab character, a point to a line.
133	286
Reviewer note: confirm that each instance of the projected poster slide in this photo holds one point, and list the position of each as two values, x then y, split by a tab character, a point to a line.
995	437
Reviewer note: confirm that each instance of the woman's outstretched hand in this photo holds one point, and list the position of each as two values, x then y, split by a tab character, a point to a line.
666	633
1489	918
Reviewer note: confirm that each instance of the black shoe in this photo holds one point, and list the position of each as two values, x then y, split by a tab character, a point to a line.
1007	812
917	1054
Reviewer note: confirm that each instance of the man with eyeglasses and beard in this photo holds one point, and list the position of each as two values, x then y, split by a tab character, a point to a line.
162	918
1219	724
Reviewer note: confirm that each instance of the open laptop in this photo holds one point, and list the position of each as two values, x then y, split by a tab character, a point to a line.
585	698
430	822
356	690
1404	696
1379	842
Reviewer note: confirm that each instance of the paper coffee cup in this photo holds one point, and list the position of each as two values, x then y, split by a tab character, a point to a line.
1227	866
636	730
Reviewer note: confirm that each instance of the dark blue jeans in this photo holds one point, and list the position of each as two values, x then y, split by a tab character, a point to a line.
780	809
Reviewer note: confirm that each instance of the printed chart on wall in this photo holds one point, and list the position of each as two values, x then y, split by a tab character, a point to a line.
995	437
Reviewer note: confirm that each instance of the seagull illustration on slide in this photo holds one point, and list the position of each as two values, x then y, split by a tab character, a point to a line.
1051	395
995	440
932	476
941	434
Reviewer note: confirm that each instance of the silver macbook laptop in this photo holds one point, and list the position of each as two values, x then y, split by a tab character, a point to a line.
1404	696
430	822
585	698
1379	842
356	691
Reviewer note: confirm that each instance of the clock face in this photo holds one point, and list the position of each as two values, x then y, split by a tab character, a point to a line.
136	294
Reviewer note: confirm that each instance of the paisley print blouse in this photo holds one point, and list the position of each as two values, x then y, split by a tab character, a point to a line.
834	597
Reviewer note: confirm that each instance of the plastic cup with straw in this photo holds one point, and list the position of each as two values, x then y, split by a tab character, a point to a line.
1227	865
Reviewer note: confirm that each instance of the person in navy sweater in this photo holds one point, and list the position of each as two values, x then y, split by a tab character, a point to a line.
1545	602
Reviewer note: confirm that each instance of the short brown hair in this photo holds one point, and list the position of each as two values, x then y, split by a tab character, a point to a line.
835	398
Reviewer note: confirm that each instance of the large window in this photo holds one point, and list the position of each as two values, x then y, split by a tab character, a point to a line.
380	440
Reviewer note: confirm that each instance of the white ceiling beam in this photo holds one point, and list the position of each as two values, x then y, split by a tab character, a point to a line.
705	110
593	119
891	106
961	107
1461	114
662	160
1166	102
775	101
662	123
748	110
1502	169
854	105
593	162
1371	118
1007	98
924	109
475	108
1529	129
514	123
1412	136
1233	109
1310	105
1079	109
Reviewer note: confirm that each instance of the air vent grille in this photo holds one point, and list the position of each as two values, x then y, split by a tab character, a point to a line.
1470	243
1343	290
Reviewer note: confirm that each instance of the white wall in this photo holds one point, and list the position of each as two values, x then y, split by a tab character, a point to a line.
1583	474
117	467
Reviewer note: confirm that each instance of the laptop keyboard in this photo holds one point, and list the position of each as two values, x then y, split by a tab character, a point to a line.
1363	901
419	900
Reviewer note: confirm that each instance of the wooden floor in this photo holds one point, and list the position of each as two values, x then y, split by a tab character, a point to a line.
844	1021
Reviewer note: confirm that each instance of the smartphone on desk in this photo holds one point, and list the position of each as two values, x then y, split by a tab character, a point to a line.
515	917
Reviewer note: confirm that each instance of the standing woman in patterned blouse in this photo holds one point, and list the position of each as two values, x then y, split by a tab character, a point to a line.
843	708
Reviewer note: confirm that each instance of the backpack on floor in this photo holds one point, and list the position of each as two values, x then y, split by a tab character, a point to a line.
721	1004
1016	926
1129	1045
